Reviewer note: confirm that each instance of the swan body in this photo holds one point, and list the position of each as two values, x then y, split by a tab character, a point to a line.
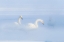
19	21
35	25
31	25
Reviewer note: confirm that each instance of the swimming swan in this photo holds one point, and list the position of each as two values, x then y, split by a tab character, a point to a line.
35	25
19	22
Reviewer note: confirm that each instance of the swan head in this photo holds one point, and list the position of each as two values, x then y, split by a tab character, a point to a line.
42	22
21	17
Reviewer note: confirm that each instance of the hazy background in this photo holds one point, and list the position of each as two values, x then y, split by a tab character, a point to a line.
51	31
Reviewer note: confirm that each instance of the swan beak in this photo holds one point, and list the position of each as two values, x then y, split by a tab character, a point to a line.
43	23
22	18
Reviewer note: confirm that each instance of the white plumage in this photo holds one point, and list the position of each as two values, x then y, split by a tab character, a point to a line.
35	25
19	21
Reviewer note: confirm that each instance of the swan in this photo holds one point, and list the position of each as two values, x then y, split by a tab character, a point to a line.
35	25
19	22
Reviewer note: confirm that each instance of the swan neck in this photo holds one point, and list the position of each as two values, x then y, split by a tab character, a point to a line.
19	20
36	23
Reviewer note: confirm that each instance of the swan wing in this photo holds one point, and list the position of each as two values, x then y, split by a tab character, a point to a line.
16	23
31	25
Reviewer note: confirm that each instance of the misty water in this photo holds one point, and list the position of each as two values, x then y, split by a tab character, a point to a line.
51	31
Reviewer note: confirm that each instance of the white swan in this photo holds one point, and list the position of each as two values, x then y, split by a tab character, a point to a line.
19	21
35	25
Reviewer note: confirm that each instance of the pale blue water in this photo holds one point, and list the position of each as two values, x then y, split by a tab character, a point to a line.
51	31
